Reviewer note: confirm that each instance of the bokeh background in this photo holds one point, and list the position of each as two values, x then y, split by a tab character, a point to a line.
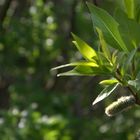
35	36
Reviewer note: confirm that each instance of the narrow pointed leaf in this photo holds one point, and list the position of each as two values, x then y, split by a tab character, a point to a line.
103	44
109	81
82	63
135	83
137	10
108	25
81	71
114	57
130	8
129	29
105	93
129	59
87	52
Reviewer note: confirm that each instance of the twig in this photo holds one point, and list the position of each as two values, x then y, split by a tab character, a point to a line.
72	18
117	76
95	2
134	94
3	11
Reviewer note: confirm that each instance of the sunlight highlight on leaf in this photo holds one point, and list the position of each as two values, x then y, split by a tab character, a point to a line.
105	93
109	82
108	25
87	52
103	45
81	63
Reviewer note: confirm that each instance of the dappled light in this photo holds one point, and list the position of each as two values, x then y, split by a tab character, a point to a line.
42	40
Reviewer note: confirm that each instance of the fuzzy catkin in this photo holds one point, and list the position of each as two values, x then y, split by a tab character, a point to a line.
120	105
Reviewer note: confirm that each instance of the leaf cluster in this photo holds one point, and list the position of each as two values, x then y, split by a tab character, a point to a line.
117	56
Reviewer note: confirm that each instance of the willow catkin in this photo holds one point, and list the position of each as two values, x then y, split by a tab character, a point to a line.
120	105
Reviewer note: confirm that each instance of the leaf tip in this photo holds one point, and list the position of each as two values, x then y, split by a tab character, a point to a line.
93	103
58	75
88	3
74	36
72	33
52	69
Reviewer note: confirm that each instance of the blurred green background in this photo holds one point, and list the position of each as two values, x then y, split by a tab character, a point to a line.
34	103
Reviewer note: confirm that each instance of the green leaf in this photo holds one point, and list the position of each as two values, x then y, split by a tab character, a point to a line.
87	52
129	59
109	81
129	29
105	93
81	63
81	71
104	64
130	8
84	70
108	25
137	10
114	57
135	83
121	57
104	45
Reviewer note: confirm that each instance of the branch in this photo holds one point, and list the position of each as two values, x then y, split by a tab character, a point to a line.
3	11
95	2
117	76
72	18
134	94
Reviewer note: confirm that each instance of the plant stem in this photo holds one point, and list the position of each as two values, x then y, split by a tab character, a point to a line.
118	77
134	94
133	68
